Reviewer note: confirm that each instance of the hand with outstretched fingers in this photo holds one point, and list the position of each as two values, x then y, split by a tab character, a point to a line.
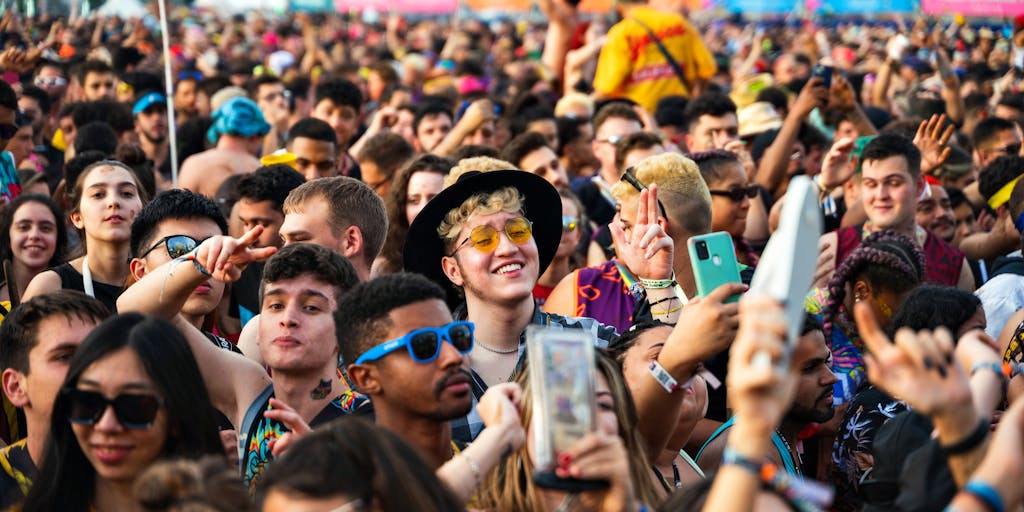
226	257
281	412
932	139
918	367
646	250
836	167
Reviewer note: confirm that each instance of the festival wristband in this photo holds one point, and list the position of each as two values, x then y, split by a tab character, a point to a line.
986	494
666	380
804	495
972	441
658	284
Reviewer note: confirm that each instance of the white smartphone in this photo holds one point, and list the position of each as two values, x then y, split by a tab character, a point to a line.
786	269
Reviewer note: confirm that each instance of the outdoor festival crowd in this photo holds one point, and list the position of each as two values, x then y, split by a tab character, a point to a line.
320	299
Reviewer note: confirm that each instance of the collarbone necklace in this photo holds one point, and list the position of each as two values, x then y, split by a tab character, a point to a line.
488	348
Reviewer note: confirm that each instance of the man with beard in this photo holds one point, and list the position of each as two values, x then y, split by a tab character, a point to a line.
410	358
812	403
150	113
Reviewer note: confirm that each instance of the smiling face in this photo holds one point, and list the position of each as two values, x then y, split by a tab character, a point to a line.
206	296
438	390
33	235
936	215
116	453
506	275
297	325
889	193
109	202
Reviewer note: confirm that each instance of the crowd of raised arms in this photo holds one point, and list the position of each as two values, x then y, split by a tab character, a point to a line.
321	298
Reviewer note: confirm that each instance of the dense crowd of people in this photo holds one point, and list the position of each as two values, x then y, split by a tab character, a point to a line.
305	273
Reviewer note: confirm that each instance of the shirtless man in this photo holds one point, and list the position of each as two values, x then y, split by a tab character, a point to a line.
238	130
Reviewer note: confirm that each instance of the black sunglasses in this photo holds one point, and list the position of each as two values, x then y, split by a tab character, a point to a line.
177	245
631	178
737	194
7	131
133	410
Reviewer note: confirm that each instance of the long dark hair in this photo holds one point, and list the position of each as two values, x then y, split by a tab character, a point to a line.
67	481
395	202
7	219
352	457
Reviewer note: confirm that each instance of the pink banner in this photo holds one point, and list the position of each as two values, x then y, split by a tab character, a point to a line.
993	8
402	6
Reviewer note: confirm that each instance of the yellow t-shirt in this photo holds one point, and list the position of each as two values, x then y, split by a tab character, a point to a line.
632	66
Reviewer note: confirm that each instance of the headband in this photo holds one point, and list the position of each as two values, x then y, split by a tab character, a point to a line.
1000	198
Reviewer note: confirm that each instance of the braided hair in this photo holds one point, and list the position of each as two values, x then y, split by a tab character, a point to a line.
886	259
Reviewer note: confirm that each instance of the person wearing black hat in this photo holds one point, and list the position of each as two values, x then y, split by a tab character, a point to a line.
492	235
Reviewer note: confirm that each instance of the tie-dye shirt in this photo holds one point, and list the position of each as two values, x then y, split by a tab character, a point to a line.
258	430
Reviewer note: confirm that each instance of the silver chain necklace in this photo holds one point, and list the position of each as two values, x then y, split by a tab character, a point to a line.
496	350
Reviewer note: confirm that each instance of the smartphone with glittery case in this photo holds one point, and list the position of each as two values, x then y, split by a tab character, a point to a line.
562	384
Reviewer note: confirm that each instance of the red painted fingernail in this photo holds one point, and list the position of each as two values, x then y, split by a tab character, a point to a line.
563	459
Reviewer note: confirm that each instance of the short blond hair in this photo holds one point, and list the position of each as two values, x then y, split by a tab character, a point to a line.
476	163
680	188
574	99
505	199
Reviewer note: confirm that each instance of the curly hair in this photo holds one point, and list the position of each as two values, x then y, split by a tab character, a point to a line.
395	203
506	199
886	259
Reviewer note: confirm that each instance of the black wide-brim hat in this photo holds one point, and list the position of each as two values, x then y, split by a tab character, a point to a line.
542	206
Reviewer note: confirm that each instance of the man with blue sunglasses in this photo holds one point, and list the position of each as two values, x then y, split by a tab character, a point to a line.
411	360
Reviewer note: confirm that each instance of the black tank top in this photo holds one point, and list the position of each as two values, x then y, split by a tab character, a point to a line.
71	279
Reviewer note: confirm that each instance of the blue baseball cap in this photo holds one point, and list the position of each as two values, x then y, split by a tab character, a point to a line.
147	101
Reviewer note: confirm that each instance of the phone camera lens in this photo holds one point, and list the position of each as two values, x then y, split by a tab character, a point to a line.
702	250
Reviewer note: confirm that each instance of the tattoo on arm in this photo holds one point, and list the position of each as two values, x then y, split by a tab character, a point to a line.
321	390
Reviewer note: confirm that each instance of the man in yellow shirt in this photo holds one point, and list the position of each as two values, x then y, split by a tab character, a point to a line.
632	66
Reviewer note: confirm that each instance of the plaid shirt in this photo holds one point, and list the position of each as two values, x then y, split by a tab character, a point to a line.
466	429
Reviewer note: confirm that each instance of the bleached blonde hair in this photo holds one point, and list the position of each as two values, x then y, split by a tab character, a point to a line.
506	199
680	188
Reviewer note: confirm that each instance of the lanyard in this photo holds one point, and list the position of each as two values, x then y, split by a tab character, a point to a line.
87	278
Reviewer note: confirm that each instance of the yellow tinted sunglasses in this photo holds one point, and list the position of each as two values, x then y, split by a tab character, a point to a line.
485	238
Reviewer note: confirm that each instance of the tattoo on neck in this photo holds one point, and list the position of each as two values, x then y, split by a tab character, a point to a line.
321	390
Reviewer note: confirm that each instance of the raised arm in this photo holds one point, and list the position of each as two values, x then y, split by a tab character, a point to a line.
232	380
771	172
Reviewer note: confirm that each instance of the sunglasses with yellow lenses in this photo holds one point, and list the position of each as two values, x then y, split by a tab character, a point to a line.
485	238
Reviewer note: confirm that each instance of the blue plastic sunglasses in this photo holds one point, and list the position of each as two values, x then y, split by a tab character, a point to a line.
424	345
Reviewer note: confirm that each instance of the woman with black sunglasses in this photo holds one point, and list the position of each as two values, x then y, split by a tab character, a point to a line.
731	198
133	395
